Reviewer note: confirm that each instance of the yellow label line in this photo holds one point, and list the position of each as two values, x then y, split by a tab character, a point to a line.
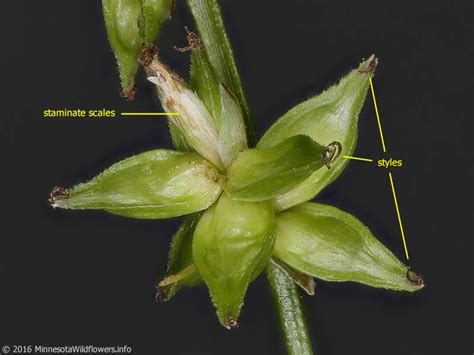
398	214
377	114
357	158
149	113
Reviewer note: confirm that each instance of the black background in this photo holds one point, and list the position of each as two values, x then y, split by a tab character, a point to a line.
87	278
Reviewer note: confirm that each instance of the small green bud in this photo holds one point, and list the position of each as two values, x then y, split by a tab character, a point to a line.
151	185
332	245
232	244
129	23
264	173
153	14
330	116
181	269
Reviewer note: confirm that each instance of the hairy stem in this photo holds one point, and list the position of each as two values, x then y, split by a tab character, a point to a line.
210	25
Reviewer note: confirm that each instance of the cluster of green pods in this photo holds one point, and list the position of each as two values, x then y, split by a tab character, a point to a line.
129	24
245	206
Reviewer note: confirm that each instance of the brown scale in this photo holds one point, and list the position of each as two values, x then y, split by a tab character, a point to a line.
371	67
414	278
58	193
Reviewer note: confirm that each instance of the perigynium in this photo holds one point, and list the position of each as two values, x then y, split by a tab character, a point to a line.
245	205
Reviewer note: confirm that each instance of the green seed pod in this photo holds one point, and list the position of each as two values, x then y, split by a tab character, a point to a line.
181	269
128	24
121	18
151	185
193	120
232	244
153	14
261	174
332	245
330	116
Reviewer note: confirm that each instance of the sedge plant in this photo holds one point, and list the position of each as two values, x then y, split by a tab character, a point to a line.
246	201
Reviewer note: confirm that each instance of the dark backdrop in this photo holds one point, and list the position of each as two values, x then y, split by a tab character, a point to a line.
87	278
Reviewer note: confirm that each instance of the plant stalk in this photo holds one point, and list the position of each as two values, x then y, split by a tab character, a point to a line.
208	17
209	22
290	311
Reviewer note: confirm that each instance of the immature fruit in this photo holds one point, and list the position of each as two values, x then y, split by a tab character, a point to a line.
152	15
329	244
331	116
130	23
156	184
264	173
232	244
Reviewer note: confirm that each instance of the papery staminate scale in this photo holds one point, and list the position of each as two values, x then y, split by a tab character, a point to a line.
194	120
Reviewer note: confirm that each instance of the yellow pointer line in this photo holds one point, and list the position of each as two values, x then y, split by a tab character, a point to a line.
398	214
377	113
357	158
150	113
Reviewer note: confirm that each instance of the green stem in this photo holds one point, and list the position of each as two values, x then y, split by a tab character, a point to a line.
208	18
210	25
288	304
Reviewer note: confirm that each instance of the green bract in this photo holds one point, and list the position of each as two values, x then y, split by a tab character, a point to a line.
181	269
232	244
130	23
329	244
232	241
230	124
